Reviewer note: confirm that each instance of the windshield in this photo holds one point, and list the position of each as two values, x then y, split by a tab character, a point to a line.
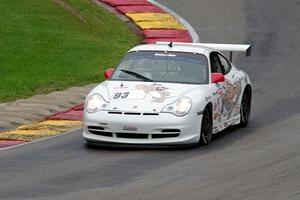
175	67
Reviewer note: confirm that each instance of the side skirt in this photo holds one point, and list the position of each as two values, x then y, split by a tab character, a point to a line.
223	125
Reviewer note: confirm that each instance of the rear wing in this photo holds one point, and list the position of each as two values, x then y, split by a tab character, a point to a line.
220	47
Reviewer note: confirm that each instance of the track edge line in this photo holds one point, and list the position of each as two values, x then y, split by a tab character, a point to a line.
186	24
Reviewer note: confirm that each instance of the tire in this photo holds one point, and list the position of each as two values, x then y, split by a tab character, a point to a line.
206	127
245	108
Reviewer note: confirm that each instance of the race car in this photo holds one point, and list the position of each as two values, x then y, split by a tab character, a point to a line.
169	94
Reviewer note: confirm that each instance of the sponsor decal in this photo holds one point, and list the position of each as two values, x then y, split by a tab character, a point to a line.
228	96
130	128
221	126
219	91
220	119
121	87
225	124
165	55
237	108
231	95
158	92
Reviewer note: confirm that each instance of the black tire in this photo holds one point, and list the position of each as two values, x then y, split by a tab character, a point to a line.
206	127
245	111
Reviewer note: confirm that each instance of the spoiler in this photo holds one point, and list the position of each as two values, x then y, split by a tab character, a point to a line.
220	47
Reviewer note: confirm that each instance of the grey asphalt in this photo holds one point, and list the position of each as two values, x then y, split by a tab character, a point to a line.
258	162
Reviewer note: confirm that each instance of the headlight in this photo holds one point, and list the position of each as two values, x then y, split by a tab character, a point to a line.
95	103
180	107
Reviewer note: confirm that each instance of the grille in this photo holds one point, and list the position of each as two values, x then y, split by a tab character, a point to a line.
165	133
150	114
115	113
132	135
131	113
98	130
170	131
168	135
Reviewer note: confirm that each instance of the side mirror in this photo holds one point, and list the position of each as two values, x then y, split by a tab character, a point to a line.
217	77
108	72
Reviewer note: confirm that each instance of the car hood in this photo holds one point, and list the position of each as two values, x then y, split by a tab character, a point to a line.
134	96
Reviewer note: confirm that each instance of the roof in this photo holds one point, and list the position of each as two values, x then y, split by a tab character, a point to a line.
176	47
201	48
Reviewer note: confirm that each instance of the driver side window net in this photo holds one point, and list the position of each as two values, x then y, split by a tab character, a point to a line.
225	64
215	63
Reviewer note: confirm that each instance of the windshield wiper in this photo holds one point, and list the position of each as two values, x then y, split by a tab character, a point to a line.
137	75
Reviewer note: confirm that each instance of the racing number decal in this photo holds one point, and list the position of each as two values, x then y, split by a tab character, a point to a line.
122	95
125	95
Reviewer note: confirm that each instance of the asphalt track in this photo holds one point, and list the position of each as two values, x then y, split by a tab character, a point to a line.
259	162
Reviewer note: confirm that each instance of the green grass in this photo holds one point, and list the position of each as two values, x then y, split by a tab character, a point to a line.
46	48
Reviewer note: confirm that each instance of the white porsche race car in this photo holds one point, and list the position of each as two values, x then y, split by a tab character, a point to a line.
169	94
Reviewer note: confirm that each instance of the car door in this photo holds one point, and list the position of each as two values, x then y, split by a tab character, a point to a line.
219	89
232	91
225	92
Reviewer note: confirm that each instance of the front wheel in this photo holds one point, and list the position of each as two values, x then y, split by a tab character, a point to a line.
206	127
245	108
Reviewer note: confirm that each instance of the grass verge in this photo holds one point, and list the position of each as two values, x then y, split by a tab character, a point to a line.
51	45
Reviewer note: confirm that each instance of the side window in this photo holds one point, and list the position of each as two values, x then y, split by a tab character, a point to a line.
226	66
215	63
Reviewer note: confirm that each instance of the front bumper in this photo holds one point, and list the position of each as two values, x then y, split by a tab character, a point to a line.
161	129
